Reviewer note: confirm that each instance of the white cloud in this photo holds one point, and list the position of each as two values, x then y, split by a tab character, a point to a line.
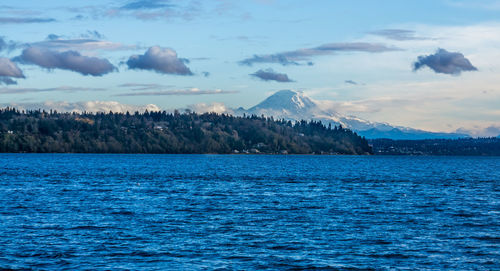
394	93
210	107
478	131
82	45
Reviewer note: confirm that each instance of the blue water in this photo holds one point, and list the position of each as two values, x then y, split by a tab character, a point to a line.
192	212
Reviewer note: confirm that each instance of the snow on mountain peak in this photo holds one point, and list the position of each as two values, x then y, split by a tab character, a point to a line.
295	105
285	100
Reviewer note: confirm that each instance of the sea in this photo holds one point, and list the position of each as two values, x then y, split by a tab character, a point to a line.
248	212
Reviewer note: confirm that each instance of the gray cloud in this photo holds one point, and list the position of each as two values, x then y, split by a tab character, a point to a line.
54	89
53	37
445	62
351	82
301	55
24	20
157	9
7	45
144	86
67	60
93	35
9	70
161	60
281	58
7	80
397	34
179	92
147	4
147	10
144	10
356	47
3	43
271	75
79	17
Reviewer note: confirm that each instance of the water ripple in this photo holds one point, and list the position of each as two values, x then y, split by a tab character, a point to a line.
223	212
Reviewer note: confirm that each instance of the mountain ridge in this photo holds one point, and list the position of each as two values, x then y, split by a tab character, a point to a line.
295	106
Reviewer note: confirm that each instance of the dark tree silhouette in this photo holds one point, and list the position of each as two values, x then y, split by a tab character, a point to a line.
461	146
162	132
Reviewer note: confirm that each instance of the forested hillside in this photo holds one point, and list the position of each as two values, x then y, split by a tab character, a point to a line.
162	132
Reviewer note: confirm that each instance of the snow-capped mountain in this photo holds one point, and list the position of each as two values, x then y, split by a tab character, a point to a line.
294	105
288	104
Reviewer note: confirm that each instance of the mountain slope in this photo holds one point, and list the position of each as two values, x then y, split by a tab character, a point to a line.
294	105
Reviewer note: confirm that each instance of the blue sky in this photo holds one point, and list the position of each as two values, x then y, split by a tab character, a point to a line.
356	56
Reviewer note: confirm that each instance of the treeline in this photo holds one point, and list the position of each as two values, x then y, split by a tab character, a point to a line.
462	146
161	132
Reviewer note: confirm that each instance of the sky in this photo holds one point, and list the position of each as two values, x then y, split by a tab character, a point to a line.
431	65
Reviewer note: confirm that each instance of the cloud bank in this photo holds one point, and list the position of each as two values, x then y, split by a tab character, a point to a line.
210	108
87	106
442	61
67	60
161	60
178	92
144	86
25	20
55	42
271	75
397	34
33	90
294	57
9	70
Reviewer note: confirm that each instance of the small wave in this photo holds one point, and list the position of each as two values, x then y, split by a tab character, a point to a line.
391	256
291	266
15	269
45	255
463	214
126	213
377	242
280	247
492	239
88	227
143	254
